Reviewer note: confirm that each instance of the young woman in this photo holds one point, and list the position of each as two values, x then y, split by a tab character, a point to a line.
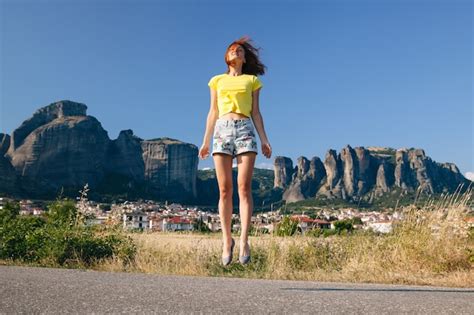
232	119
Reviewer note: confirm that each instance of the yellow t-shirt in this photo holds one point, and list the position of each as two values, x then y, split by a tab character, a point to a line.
234	93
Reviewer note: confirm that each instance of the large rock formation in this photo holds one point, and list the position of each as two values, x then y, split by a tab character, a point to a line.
43	116
403	178
332	164
61	146
283	168
4	143
414	170
169	162
125	156
63	151
332	188
8	178
357	172
367	168
447	175
306	179
349	170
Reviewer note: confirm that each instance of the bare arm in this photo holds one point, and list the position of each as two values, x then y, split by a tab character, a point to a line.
211	117
257	116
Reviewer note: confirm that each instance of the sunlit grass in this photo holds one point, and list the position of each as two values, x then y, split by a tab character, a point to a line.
430	245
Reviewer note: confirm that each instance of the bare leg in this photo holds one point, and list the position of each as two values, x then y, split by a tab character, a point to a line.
245	165
223	165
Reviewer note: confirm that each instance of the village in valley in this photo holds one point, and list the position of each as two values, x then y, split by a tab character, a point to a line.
150	216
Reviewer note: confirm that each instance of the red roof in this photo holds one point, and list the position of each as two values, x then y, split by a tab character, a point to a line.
320	221
309	220
177	220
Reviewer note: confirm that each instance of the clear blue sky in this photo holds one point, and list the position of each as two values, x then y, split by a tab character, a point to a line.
363	73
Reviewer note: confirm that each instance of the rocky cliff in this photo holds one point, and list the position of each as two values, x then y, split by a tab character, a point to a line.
44	116
357	172
125	156
61	146
283	168
306	179
169	162
8	178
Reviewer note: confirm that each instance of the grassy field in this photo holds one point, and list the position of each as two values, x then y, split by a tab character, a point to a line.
431	245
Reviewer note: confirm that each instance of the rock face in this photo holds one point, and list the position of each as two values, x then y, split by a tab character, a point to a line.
169	162
125	156
384	179
4	143
448	175
359	172
414	170
403	178
333	187
66	151
61	146
333	166
306	179
283	168
8	178
44	116
367	169
295	191
349	170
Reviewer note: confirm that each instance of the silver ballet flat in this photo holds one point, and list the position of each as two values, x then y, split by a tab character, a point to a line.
227	260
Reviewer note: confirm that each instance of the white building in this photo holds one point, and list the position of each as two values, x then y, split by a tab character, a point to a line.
32	211
177	224
135	220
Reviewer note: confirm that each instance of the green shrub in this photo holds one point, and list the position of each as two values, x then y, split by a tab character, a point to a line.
82	246
19	239
59	238
286	227
329	232
343	225
63	212
9	212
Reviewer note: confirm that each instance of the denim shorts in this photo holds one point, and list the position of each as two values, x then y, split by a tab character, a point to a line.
234	136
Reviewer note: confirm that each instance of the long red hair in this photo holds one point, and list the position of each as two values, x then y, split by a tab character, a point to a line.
252	64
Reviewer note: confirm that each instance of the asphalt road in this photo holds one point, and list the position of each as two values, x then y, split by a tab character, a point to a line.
58	291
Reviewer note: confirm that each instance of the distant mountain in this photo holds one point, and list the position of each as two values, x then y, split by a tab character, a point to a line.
61	147
368	173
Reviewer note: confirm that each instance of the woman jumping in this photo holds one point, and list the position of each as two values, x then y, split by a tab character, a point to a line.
231	119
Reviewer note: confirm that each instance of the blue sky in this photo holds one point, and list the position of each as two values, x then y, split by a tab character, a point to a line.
363	73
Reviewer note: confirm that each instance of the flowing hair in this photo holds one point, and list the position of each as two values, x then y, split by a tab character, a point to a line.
252	63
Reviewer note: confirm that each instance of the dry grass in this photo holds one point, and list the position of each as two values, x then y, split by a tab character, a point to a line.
429	246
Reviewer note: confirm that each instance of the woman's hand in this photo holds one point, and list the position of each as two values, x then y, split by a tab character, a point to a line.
266	149
204	151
